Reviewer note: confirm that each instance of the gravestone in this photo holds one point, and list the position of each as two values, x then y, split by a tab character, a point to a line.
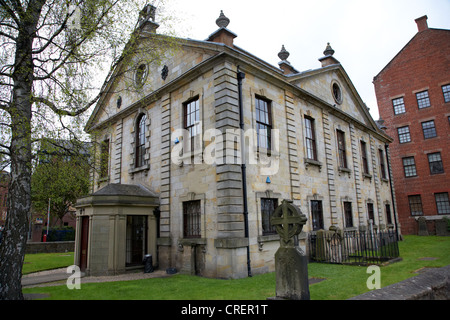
291	264
442	228
423	230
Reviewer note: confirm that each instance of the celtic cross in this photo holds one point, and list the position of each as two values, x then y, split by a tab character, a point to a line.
288	221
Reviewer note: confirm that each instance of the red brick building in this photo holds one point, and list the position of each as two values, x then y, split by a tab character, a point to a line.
413	93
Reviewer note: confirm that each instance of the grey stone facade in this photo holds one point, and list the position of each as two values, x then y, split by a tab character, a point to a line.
206	71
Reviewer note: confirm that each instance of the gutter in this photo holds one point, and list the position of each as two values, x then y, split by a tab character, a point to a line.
240	77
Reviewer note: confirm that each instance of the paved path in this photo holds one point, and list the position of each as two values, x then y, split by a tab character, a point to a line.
60	276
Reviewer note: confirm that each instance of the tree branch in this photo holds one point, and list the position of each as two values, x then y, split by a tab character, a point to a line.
50	41
8	36
4	147
62	112
10	12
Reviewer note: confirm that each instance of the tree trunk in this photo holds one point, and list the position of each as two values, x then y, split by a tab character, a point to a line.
12	249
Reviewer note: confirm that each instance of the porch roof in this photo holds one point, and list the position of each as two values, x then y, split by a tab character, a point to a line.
121	194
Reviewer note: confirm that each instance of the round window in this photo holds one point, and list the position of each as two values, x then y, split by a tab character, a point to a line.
337	93
141	75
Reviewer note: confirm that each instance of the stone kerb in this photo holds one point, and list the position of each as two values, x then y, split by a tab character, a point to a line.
433	284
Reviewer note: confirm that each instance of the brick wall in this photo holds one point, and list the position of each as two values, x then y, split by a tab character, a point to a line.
423	64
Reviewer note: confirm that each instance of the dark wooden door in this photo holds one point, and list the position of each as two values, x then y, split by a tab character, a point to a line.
84	242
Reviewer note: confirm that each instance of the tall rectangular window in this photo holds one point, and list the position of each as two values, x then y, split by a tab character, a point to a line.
446	92
403	134
141	140
192	122
435	162
399	106
429	130
442	203
104	159
268	207
263	123
370	212
317	215
348	214
382	164
311	148
415	205
409	165
192	219
423	100
341	149
388	214
365	161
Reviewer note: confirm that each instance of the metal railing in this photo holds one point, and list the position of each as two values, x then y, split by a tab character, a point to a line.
353	247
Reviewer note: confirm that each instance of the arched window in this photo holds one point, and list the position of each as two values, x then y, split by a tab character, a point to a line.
140	140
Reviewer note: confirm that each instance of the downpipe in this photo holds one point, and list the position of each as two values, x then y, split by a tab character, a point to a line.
240	77
386	148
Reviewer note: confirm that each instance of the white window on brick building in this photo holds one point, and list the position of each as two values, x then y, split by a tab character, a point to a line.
442	203
446	92
404	135
399	106
423	100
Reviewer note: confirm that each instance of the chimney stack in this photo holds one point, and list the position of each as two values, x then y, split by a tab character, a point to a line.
284	64
328	59
146	20
223	35
422	23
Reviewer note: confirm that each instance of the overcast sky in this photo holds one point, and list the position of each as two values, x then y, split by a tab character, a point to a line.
366	35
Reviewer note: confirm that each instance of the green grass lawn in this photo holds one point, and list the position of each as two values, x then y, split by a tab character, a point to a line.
46	261
342	281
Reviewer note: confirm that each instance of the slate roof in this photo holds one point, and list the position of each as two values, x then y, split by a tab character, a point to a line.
125	190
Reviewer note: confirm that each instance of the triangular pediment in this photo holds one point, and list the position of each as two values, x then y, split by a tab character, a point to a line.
166	59
332	85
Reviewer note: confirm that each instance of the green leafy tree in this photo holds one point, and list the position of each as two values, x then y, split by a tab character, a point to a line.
52	53
62	180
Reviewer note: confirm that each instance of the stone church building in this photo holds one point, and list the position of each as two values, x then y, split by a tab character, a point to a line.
199	143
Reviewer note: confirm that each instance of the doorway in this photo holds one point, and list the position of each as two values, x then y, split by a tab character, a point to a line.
84	243
136	240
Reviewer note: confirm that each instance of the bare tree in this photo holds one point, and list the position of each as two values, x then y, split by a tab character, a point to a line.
50	54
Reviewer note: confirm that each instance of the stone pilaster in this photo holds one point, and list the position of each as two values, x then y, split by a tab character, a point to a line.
357	174
117	174
376	178
165	166
229	178
294	160
330	162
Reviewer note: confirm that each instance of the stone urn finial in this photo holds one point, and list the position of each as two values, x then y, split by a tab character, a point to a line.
283	55
222	21
328	50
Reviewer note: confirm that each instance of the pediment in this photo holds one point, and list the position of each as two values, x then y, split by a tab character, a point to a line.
156	64
333	86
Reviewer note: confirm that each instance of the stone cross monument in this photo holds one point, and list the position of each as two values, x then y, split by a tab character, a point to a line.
291	265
